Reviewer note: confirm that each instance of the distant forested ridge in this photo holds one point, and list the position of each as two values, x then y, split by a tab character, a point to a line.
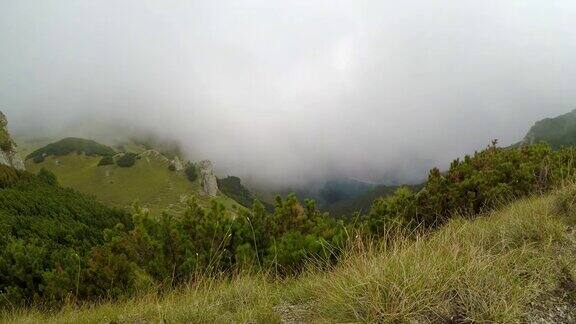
557	132
335	191
363	202
232	187
70	145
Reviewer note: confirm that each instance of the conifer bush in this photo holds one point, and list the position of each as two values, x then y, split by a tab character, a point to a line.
126	160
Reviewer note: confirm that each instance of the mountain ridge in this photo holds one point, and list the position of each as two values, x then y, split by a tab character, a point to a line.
557	131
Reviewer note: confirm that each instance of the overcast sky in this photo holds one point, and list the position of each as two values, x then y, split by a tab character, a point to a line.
290	91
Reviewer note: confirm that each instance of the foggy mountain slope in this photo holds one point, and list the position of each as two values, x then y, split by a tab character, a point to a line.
557	131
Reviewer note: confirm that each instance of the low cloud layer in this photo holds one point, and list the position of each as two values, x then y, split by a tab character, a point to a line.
294	91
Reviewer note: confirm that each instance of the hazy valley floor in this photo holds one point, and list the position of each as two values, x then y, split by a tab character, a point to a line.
514	265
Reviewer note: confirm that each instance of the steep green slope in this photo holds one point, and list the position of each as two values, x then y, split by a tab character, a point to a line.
46	232
515	265
149	181
558	132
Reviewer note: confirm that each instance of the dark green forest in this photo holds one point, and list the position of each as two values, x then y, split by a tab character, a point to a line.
58	244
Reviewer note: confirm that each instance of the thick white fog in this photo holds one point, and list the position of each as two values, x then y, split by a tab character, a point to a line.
294	91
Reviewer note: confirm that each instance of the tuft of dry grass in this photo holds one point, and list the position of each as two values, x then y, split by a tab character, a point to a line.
240	299
484	270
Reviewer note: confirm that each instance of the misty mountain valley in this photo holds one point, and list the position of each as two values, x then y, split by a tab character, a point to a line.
287	162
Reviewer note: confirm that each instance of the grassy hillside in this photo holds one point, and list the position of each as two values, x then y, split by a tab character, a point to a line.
516	264
148	181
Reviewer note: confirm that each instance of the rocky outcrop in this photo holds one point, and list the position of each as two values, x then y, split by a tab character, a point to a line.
153	154
208	178
8	154
178	166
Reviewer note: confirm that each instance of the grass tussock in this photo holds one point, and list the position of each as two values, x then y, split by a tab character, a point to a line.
484	270
240	299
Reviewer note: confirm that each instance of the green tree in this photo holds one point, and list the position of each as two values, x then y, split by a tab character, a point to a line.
106	160
126	160
191	172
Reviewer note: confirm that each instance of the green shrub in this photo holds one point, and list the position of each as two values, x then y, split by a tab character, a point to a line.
48	177
210	240
474	185
46	236
38	158
106	160
172	167
191	172
9	176
126	160
6	145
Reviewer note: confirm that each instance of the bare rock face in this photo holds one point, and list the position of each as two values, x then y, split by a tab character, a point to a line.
208	178
8	154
